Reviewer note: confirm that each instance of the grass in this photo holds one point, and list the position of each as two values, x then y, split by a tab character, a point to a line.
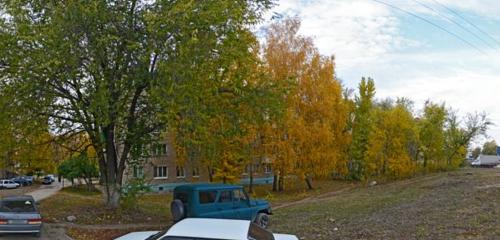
437	206
89	209
448	205
295	190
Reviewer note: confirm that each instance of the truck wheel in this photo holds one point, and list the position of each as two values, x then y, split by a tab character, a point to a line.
262	220
177	210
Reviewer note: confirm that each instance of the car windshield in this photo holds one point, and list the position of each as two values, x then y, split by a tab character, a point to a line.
17	206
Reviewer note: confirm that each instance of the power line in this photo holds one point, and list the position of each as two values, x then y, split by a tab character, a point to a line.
469	22
433	24
456	23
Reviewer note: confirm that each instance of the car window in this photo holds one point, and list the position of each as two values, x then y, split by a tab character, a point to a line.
182	196
17	206
239	195
257	233
225	196
207	196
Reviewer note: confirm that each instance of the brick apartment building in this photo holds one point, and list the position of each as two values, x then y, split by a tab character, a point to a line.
162	172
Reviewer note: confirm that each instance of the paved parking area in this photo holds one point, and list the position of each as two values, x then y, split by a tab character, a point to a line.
39	192
48	233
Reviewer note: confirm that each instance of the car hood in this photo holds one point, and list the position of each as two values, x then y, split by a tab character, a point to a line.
258	202
278	236
137	235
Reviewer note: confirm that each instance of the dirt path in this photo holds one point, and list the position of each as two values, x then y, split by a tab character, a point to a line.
312	199
45	191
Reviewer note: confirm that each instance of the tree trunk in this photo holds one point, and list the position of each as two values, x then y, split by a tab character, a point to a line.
112	196
281	183
275	182
210	177
309	183
250	187
112	186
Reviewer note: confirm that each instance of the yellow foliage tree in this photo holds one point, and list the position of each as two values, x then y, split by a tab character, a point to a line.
310	138
389	141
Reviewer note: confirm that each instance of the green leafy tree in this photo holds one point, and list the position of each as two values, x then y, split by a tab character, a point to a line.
361	127
79	167
431	135
119	70
458	138
490	148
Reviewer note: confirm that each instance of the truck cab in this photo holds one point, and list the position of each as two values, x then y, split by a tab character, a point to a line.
218	201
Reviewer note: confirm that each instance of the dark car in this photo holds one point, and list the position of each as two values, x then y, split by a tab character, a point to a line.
21	181
47	180
19	214
218	201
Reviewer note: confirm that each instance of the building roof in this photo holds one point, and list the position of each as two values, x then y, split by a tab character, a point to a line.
205	186
210	228
487	160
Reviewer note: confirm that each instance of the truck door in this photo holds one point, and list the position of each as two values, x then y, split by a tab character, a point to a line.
242	205
225	205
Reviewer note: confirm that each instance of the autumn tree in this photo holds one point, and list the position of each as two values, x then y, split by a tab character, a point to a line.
118	70
312	133
393	132
490	148
361	127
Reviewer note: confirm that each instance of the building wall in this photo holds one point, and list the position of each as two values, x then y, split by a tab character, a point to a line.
167	158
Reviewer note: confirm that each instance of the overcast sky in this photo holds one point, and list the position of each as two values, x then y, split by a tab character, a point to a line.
407	56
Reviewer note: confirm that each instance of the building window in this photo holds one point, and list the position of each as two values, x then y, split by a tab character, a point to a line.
160	149
138	171
196	172
180	172
161	172
268	168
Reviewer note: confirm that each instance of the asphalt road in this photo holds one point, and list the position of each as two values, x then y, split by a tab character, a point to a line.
49	232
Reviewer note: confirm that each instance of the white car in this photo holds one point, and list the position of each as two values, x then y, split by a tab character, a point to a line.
208	229
8	184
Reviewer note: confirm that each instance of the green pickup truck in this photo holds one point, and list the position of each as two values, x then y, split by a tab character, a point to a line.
218	201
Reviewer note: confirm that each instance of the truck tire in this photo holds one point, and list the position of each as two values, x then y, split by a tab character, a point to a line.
262	220
177	210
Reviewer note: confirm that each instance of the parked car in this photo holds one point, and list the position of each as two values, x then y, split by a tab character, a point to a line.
9	184
29	179
46	180
19	214
21	181
52	177
218	201
209	229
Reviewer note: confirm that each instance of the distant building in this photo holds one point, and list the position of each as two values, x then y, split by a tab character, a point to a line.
486	161
162	172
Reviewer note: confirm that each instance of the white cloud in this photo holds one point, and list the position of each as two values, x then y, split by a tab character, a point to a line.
366	38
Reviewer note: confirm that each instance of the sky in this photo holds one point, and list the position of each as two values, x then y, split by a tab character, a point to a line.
419	49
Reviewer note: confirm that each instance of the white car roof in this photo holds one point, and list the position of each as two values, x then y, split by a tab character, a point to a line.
211	228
